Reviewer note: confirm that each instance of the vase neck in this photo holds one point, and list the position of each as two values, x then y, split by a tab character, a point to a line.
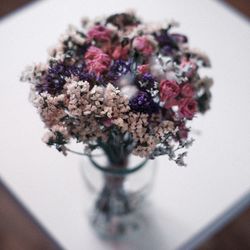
122	164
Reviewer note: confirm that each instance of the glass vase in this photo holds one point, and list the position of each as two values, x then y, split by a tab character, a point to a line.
117	192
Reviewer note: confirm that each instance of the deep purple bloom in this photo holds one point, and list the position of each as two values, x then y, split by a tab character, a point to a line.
147	77
118	69
54	80
179	38
167	50
89	77
144	103
75	70
145	81
163	38
121	67
82	74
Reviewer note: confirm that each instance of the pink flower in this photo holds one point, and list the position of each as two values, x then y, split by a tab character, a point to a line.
189	68
100	33
120	52
142	44
187	90
96	60
142	69
107	123
187	107
168	90
170	103
183	131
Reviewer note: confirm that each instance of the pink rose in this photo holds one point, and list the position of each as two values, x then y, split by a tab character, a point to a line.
187	107
187	90
120	52
100	33
142	69
189	68
142	44
96	60
168	90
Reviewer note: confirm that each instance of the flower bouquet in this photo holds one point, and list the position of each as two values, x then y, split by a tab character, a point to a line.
125	87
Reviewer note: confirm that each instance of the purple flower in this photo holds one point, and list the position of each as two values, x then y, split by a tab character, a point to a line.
121	67
163	38
75	70
179	38
144	103
147	77
118	68
89	77
54	80
145	81
82	74
167	50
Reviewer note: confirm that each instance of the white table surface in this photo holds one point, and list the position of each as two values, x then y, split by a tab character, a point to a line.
184	200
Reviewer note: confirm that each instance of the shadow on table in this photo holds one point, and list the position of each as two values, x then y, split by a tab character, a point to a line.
150	234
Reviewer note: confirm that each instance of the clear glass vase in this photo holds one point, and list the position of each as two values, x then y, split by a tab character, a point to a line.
117	193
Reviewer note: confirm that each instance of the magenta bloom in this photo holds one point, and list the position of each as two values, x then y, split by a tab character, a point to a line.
96	60
143	45
100	33
187	90
168	90
143	69
120	52
187	107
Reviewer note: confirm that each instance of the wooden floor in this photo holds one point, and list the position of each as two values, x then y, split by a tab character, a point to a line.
20	231
234	236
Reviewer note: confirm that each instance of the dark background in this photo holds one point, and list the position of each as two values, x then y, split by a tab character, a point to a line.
20	231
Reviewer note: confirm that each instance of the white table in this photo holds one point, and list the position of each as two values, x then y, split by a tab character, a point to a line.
187	203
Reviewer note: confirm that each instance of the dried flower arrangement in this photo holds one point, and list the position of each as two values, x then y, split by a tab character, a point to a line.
121	85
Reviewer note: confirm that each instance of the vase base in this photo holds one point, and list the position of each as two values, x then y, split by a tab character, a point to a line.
116	226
